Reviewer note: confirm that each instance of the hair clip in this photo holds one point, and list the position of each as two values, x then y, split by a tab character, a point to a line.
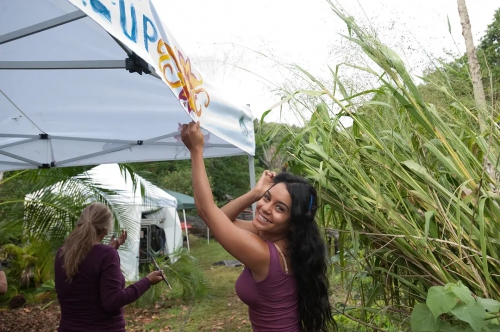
311	203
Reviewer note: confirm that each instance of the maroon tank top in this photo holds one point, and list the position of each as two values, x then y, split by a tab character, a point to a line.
272	302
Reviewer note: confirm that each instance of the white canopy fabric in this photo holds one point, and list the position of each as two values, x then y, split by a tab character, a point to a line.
66	98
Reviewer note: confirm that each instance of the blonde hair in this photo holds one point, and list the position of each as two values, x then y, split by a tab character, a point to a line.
95	220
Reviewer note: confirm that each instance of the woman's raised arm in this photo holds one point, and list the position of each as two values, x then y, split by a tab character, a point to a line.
245	246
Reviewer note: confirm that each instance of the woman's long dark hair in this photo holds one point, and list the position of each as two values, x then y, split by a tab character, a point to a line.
307	253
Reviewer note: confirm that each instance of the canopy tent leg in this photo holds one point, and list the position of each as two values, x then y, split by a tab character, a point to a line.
186	227
208	235
251	170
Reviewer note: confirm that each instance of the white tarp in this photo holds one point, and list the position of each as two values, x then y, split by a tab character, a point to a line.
109	176
66	98
129	200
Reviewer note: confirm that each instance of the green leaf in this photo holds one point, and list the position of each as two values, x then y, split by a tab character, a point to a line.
440	301
489	304
265	114
283	101
461	291
47	286
429	215
313	93
422	319
447	327
445	160
472	313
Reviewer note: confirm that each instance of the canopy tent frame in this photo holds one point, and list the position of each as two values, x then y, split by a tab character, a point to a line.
42	26
133	63
83	64
186	229
125	145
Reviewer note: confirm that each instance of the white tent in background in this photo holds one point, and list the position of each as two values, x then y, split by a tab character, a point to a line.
127	198
160	206
71	93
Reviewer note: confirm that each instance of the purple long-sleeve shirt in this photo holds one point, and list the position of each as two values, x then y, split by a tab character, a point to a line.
94	300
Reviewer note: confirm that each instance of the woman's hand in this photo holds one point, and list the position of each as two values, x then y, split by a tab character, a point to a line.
192	136
116	243
155	277
265	182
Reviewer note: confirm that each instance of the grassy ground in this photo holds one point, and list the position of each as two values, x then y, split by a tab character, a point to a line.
220	310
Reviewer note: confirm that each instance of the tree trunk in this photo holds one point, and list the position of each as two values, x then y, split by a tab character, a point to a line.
475	70
477	83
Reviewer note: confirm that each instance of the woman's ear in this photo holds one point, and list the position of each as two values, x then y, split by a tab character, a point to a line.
102	233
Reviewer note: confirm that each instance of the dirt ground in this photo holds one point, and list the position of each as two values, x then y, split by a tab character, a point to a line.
221	310
43	318
30	319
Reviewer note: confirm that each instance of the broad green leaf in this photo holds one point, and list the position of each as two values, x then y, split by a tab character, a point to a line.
447	327
422	319
440	301
461	291
472	313
489	304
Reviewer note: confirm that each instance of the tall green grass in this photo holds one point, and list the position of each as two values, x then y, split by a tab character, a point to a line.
406	184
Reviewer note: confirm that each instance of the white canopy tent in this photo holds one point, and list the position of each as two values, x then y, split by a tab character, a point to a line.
128	200
67	97
160	205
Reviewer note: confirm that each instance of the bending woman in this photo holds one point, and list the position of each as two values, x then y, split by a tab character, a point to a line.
284	282
89	282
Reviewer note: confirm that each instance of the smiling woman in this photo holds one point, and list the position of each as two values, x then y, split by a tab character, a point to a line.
284	282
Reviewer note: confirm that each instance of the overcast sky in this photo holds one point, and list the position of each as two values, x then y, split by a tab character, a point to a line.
218	34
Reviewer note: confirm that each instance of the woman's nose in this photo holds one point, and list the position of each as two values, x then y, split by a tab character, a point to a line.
266	208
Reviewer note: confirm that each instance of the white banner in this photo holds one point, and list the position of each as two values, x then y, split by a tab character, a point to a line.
138	25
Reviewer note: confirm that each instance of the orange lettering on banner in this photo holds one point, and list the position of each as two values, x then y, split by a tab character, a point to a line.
180	67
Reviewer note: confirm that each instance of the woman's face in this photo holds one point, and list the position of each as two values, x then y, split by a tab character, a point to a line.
273	210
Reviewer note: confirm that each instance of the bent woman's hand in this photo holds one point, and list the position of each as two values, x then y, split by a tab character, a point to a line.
265	182
116	243
192	136
155	277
